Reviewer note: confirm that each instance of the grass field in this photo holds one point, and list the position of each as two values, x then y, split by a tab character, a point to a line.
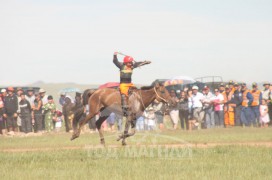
235	154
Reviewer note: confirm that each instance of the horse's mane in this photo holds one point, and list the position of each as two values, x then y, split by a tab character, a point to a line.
86	94
147	87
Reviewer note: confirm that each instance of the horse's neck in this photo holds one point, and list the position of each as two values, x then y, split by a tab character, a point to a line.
148	96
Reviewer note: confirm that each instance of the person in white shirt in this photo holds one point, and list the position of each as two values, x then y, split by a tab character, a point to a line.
30	97
43	96
197	100
266	91
150	118
208	108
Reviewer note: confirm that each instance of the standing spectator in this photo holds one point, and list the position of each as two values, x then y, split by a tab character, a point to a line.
30	97
19	92
10	111
222	88
229	106
267	95
4	120
218	108
198	113
266	91
174	112
190	103
78	110
19	121
246	113
4	94
257	101
208	107
44	99
25	114
1	115
119	121
111	121
140	123
231	86
184	110
62	99
58	120
37	113
270	102
237	100
43	96
49	112
159	112
150	118
264	116
68	113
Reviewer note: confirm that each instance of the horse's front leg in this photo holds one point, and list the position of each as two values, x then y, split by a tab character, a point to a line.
133	128
131	120
125	134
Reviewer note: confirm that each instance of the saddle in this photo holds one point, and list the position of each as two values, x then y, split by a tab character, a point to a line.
131	90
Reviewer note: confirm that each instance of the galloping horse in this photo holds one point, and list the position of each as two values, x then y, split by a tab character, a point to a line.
105	101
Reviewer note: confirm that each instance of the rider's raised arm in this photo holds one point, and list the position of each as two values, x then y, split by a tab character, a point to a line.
116	62
138	64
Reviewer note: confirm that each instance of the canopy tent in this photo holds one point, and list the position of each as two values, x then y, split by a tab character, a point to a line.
109	85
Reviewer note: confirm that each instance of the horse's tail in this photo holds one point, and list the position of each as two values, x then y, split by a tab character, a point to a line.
86	95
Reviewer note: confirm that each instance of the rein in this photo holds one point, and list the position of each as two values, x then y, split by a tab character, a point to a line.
142	99
159	96
156	95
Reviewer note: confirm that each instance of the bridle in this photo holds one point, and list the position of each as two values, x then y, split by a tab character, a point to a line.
160	96
156	95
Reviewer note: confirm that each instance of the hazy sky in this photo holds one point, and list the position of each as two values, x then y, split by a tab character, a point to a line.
73	41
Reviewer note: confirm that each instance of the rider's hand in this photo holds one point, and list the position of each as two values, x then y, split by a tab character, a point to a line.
147	62
115	53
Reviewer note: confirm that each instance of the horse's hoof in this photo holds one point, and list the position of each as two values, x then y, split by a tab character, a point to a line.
119	138
74	136
124	143
102	142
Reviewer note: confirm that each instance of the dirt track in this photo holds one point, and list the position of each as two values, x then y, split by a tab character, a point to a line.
193	145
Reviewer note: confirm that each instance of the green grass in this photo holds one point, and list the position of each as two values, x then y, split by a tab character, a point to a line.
212	163
139	162
203	136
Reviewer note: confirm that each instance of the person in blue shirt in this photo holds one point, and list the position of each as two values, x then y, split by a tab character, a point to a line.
246	113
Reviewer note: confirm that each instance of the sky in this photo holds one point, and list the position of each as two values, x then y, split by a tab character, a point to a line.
58	41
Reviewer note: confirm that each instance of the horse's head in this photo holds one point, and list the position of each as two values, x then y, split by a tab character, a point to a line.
162	95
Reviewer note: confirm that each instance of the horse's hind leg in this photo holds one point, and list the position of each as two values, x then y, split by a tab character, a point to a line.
99	123
81	124
125	135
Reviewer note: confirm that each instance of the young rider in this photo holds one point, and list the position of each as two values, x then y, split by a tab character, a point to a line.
126	69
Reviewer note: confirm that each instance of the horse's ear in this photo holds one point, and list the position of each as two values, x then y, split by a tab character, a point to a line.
157	85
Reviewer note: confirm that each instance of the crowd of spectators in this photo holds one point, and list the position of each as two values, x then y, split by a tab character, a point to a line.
27	112
226	106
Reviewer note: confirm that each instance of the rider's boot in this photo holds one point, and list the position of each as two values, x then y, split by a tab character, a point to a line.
125	108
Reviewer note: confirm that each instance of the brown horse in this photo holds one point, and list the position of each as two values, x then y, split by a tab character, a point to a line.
105	101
